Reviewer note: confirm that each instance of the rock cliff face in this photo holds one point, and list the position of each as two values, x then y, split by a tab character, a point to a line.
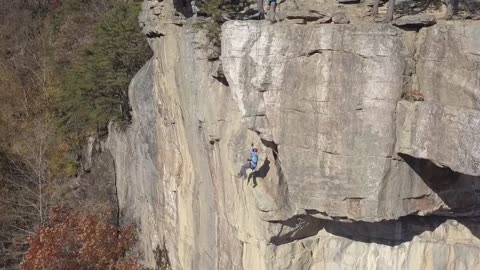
369	150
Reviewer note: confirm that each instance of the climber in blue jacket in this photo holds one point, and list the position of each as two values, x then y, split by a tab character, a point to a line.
252	162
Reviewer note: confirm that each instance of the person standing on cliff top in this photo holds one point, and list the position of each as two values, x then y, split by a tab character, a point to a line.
272	5
261	10
252	162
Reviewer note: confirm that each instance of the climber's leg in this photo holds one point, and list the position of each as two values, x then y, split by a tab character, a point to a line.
254	180
243	170
271	14
261	10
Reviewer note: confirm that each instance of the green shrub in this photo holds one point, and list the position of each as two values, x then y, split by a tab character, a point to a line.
212	8
95	89
61	164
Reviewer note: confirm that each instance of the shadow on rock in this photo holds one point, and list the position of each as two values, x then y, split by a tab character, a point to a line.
260	173
460	192
391	233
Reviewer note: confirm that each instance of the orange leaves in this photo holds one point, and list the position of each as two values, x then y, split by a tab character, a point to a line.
73	240
413	95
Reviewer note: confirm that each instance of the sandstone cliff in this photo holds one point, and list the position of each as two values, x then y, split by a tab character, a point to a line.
353	172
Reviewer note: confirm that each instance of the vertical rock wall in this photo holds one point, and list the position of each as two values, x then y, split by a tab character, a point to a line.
348	170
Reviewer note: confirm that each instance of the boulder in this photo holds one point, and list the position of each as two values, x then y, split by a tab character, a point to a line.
340	18
307	15
420	20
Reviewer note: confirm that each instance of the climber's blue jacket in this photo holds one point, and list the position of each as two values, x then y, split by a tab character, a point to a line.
254	158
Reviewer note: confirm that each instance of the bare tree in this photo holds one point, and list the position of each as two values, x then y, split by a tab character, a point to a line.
375	8
261	9
24	199
390	10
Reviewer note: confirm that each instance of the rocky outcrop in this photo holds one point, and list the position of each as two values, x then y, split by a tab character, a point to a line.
338	151
415	21
350	175
93	189
309	16
334	121
445	135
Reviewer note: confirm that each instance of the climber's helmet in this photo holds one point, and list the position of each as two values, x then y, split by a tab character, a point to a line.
255	150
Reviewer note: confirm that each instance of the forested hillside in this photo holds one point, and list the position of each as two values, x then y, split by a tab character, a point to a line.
65	66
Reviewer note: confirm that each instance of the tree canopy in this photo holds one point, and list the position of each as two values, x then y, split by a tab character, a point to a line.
96	89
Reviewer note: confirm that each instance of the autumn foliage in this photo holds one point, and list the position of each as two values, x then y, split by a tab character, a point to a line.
73	240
